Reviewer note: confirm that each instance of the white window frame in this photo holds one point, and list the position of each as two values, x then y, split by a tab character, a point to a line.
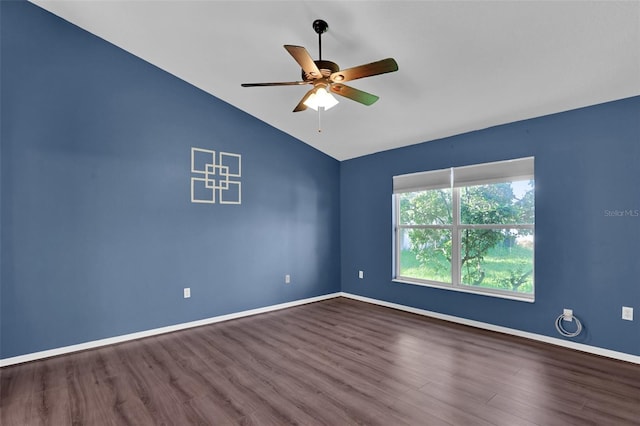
456	178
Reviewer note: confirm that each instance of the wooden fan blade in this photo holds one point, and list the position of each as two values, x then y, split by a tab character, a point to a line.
284	83
305	61
368	70
301	106
353	94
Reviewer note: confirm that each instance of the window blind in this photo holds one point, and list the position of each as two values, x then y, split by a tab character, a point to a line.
478	174
499	171
435	179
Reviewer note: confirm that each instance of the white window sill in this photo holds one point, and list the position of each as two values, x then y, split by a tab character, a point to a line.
482	292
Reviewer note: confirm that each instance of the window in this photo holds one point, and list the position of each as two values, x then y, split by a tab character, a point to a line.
467	228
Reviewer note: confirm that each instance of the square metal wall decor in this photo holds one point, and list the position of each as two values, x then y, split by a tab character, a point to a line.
215	177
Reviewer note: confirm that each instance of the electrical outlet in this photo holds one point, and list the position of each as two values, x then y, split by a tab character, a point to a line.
287	279
360	274
627	313
186	292
567	314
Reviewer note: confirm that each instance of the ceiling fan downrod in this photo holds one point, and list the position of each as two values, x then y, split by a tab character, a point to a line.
320	27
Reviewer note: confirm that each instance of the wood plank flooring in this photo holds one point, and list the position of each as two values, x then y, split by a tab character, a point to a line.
336	362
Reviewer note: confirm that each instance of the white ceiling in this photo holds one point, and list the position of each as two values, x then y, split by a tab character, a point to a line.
463	65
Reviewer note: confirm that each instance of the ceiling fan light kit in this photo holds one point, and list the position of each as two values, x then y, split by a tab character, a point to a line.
327	78
320	98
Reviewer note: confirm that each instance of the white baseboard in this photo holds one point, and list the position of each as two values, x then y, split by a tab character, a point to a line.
147	333
491	327
486	326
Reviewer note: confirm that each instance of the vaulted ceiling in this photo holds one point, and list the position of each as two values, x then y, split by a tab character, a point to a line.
463	65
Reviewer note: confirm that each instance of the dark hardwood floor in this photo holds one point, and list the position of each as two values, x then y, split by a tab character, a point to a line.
336	362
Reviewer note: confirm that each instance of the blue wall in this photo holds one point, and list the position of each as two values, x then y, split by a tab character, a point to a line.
586	161
98	232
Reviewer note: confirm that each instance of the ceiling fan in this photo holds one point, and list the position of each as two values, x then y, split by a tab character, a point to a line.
326	76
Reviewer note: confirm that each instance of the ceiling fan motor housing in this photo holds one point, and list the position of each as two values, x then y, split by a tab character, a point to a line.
326	68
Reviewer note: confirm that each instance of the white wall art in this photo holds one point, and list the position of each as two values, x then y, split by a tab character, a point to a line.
215	178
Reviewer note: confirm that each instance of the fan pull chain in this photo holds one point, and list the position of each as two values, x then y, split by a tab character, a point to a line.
319	122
